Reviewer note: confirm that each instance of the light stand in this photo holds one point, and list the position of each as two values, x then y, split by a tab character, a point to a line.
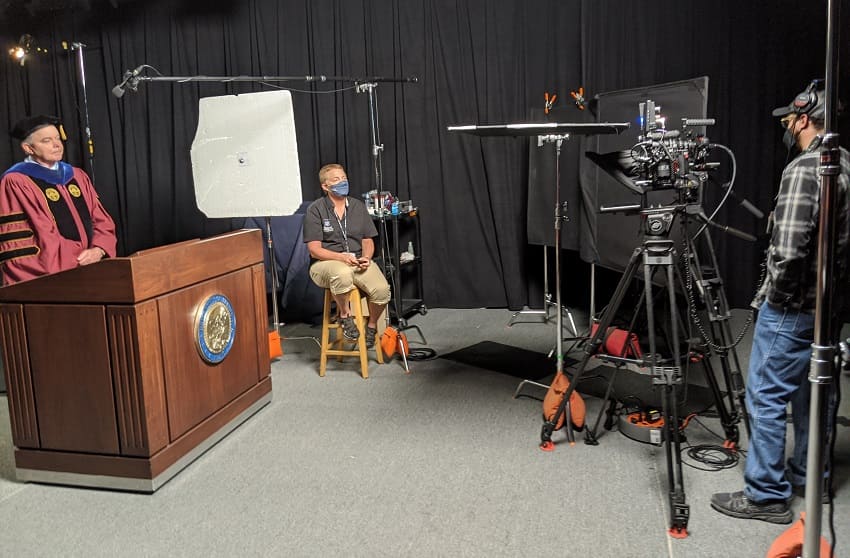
556	132
824	368
275	334
560	216
78	47
387	255
560	208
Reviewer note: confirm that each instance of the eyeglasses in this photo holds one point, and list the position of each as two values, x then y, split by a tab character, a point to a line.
788	121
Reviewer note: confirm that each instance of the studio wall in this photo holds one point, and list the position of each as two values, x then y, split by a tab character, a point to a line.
477	61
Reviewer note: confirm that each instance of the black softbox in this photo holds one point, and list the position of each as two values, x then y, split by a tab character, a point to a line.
607	240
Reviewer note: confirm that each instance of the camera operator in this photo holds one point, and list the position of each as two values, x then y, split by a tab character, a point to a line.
784	330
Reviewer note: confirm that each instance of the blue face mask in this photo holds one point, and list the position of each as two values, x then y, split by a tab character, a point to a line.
340	188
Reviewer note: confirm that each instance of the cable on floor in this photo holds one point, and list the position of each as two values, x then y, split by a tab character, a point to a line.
314	339
712	457
421	353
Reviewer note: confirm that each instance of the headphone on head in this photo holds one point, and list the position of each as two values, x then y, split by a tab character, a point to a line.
806	101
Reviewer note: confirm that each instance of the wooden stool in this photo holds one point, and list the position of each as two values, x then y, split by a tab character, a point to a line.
335	347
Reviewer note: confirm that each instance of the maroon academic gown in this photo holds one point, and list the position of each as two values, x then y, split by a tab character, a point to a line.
32	243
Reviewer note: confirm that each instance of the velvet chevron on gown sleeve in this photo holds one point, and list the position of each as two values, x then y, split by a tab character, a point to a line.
31	243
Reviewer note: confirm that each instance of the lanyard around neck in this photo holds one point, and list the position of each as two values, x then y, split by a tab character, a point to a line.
343	226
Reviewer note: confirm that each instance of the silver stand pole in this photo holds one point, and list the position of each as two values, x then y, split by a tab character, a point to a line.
823	369
560	216
378	167
78	47
273	271
592	297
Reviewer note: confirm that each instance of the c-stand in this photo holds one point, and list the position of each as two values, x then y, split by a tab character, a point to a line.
389	262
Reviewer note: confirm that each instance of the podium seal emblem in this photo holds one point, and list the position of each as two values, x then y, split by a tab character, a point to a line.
215	328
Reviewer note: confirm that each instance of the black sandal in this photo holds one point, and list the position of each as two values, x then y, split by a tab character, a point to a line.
371	332
349	328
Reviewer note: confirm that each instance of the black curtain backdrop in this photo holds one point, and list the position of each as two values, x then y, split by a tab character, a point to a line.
478	61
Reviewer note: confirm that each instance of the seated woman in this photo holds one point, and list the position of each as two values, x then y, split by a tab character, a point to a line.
339	233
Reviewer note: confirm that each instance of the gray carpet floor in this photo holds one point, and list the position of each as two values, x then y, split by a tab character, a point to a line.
443	461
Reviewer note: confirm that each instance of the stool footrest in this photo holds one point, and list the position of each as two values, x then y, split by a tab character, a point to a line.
338	352
327	343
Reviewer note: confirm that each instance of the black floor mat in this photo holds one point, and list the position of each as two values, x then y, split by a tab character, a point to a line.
635	389
630	388
505	359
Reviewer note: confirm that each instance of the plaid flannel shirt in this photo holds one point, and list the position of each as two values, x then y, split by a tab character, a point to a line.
791	266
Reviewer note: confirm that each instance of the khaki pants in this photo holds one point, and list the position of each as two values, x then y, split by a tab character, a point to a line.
340	278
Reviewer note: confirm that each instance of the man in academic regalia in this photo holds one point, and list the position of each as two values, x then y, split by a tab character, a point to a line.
50	216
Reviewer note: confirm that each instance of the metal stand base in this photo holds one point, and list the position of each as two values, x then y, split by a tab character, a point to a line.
545	314
522	385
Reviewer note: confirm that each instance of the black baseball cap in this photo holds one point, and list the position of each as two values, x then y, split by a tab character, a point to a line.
810	102
24	127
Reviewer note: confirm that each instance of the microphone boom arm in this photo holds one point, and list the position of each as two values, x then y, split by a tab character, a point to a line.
132	78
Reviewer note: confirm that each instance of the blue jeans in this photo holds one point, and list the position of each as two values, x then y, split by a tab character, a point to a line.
778	375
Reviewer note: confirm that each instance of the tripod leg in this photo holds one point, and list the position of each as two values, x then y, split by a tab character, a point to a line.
727	420
679	509
734	377
590	436
590	349
661	253
707	276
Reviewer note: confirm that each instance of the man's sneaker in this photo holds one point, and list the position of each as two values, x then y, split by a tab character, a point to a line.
736	504
349	328
371	332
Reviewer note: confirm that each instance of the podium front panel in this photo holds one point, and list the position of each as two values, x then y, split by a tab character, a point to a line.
71	377
196	389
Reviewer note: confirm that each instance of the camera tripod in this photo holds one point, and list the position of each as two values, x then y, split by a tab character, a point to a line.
658	254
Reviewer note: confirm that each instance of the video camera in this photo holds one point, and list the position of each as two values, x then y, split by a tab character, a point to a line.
664	159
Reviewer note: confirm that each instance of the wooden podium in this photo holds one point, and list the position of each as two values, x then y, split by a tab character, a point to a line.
120	373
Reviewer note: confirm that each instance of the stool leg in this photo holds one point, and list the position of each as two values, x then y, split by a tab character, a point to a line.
326	315
357	306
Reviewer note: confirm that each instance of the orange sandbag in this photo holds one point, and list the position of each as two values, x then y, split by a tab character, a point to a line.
553	399
275	349
390	340
790	543
619	342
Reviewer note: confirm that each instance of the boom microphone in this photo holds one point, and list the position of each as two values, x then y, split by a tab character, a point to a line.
698	121
128	81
